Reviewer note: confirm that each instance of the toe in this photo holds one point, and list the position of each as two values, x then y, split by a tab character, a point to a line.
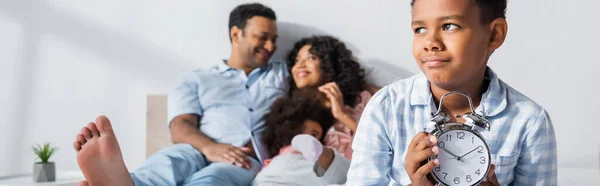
77	146
86	132
104	125
93	129
81	139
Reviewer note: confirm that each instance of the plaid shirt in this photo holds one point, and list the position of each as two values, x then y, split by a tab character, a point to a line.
521	140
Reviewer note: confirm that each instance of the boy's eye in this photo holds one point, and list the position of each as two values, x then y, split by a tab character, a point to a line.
312	58
449	26
419	30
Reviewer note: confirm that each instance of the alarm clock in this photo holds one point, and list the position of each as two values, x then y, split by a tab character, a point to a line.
464	155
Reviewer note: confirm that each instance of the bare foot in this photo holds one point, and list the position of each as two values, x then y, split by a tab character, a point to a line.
83	183
99	156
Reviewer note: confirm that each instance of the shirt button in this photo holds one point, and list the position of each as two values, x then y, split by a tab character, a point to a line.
250	109
247	87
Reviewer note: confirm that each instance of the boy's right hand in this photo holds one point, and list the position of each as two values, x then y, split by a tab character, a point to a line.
421	147
228	153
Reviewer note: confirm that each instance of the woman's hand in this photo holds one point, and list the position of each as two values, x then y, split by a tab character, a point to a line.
336	98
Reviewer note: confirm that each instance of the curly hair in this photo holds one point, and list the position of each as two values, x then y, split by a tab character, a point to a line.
288	114
490	9
337	64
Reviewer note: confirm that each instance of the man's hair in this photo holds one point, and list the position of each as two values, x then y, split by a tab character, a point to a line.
242	13
287	116
490	9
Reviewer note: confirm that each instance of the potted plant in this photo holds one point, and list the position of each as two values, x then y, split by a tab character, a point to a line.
44	171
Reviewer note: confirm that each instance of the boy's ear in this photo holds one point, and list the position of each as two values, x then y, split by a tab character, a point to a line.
499	28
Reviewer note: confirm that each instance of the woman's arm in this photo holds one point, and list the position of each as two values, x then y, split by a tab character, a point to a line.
348	121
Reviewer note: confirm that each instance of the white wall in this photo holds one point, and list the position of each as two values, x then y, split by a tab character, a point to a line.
64	62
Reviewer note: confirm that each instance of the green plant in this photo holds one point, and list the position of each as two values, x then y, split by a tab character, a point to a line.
44	152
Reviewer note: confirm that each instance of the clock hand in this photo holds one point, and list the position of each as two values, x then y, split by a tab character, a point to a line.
470	152
457	157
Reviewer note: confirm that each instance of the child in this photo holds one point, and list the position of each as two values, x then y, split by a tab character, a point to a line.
453	40
295	129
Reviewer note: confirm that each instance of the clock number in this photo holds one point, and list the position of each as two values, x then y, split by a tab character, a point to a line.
437	168
456	180
478	172
445	174
441	144
480	150
469	178
460	135
482	160
472	140
449	137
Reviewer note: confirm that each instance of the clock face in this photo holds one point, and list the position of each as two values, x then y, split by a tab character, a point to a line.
464	158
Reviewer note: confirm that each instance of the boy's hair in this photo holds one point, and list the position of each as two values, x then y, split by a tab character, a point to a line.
288	114
490	9
242	13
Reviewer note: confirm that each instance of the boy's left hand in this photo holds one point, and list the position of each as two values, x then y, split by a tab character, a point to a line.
491	179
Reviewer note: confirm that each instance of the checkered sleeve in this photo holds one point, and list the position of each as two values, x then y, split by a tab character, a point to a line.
372	156
538	159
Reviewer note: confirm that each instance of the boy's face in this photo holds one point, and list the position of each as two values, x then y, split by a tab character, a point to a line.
451	45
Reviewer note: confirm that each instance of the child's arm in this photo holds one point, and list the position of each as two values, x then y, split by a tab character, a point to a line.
326	158
313	150
334	168
330	166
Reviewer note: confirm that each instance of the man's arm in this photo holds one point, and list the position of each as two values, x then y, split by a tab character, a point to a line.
185	111
537	162
184	129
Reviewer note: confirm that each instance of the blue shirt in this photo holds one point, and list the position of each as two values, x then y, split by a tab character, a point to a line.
230	104
521	140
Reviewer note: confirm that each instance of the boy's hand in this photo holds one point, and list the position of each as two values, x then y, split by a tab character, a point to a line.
421	147
491	179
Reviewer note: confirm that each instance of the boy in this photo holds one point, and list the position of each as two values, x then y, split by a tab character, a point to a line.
453	40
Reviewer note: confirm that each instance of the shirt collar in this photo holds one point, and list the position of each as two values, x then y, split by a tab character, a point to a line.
224	67
493	101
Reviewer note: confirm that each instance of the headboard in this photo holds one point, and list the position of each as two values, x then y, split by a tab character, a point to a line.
157	133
